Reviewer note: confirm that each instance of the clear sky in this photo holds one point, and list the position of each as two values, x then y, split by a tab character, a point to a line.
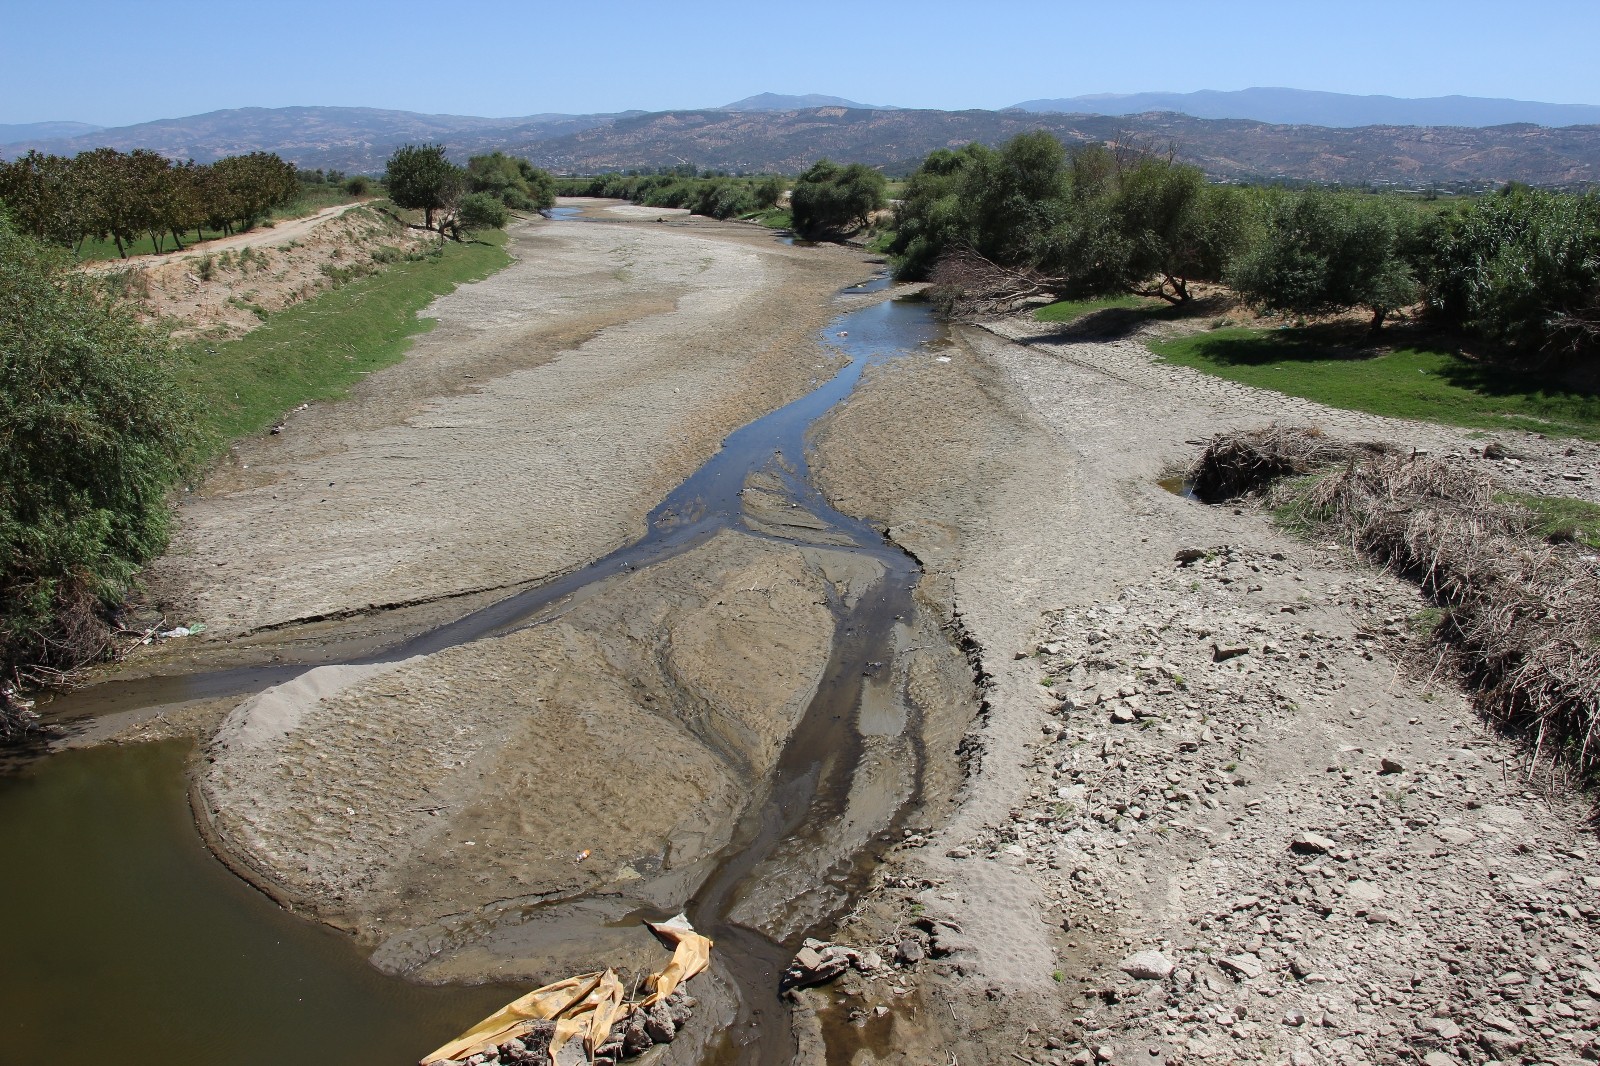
115	62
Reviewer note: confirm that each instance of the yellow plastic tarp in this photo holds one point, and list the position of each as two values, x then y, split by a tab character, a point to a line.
585	1006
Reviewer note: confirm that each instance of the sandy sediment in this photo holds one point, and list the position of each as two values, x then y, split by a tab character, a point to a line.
1135	790
526	434
628	731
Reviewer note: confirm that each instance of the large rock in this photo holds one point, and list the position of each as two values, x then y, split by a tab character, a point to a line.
1147	966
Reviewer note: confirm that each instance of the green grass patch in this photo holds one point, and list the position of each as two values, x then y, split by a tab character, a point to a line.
773	218
317	349
1327	366
1069	310
1562	518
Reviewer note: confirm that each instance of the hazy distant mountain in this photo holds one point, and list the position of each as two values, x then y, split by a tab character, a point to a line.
361	139
349	138
779	102
1306	108
38	131
1225	149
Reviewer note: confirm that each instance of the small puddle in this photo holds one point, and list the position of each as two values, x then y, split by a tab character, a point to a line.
1179	485
109	830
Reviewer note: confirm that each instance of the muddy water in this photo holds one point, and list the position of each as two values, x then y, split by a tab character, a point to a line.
123	933
768	891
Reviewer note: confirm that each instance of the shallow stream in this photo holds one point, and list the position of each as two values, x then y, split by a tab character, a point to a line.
125	919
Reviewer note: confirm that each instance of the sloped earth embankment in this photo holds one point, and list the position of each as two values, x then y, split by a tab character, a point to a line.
1213	813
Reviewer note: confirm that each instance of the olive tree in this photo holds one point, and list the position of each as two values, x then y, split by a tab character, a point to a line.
1322	253
420	178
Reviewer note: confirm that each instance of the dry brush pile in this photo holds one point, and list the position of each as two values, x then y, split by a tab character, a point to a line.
1519	617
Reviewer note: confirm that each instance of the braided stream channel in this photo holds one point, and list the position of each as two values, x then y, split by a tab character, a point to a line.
120	871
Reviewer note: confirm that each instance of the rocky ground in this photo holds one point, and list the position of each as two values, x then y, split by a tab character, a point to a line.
1219	810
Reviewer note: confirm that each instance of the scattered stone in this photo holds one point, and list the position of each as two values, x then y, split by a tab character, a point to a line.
816	965
1221	653
1147	966
1443	1028
1312	844
1245	966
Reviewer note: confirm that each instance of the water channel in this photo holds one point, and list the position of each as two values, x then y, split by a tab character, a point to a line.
122	917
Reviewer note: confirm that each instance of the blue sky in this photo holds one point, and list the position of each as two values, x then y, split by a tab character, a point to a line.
114	63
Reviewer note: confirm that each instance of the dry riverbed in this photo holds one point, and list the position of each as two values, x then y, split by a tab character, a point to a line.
1215	811
1207	812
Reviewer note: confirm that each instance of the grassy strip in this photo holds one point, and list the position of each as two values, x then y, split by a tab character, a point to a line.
317	349
1561	519
1416	383
773	218
1069	310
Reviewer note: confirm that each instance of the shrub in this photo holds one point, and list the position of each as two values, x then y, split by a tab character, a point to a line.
1523	269
359	185
93	432
482	210
829	199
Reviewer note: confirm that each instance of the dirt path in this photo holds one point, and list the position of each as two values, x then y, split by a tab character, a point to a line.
1132	790
279	233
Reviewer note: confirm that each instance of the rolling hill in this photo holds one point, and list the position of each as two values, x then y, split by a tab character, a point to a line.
360	139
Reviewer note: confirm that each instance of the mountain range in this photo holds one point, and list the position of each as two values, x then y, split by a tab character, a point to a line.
767	133
780	102
1303	107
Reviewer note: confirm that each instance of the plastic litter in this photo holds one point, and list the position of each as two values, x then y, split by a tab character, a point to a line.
586	1006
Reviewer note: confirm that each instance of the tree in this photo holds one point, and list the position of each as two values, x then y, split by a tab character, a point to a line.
420	178
829	200
932	215
1151	226
1523	268
516	183
93	432
1323	253
481	210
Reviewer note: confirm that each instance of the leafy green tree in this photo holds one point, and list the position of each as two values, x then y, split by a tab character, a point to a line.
829	199
517	183
420	178
1522	268
1322	253
1149	226
481	210
932	215
93	432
